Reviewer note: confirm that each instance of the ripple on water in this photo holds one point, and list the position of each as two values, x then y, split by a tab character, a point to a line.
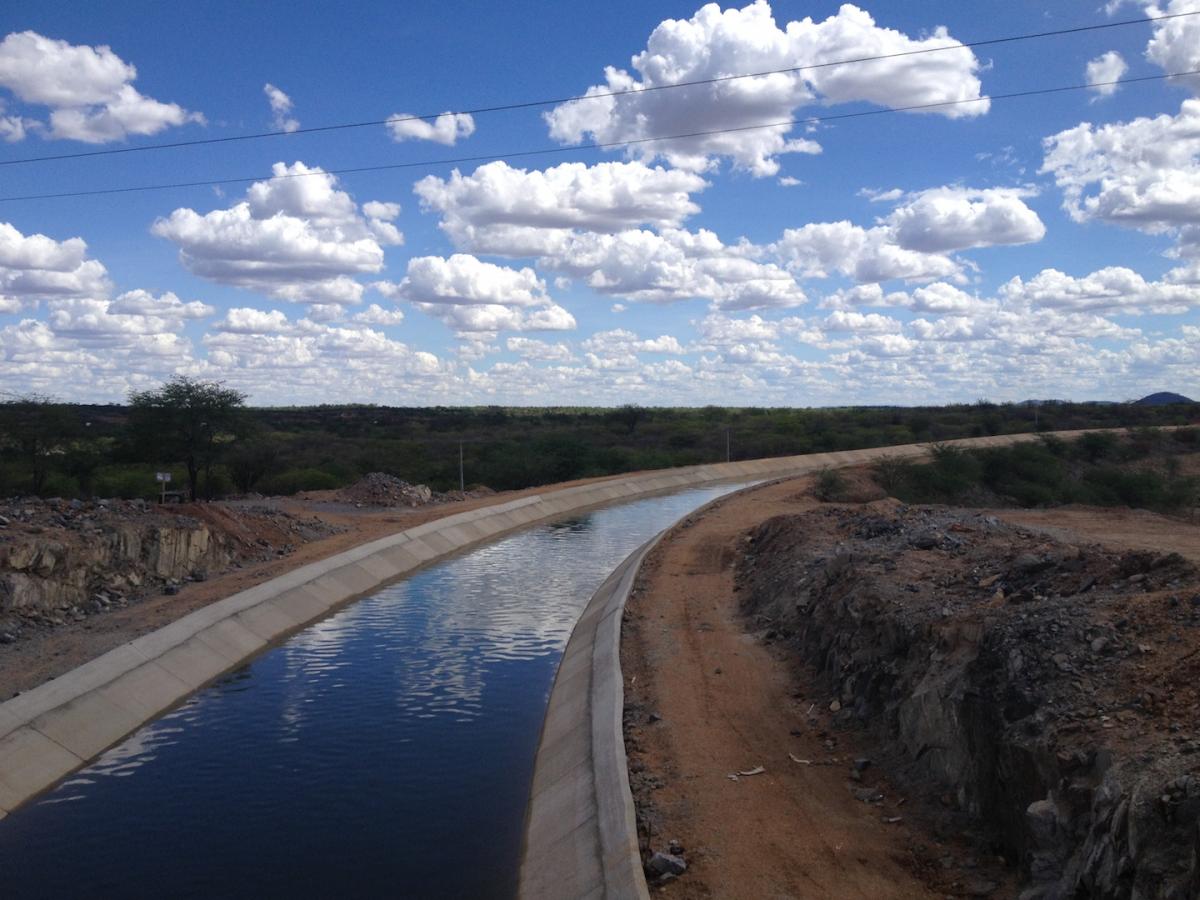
385	749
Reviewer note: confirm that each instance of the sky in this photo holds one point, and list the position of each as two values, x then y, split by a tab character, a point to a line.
810	242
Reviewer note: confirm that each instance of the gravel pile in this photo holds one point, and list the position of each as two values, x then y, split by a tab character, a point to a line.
381	489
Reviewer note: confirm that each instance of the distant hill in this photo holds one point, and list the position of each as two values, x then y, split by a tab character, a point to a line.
1162	398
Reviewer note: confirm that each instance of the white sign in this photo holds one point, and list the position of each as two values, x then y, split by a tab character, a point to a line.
162	476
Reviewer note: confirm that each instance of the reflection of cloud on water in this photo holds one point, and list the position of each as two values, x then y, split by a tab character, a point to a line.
313	663
139	749
430	642
514	600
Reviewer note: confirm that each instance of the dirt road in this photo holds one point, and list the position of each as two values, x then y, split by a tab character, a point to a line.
706	699
727	705
709	696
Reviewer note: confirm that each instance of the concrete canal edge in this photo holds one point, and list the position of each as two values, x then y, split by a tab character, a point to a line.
580	832
580	828
50	731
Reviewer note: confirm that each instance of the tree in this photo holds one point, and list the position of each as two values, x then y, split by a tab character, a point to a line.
190	420
252	461
629	415
37	427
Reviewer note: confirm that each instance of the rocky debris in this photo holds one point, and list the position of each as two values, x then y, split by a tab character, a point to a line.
63	560
381	489
661	864
1051	692
472	493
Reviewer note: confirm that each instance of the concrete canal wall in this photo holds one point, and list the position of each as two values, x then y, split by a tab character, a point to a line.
580	832
48	732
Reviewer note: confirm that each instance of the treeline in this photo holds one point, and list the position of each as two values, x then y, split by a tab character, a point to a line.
1145	468
67	450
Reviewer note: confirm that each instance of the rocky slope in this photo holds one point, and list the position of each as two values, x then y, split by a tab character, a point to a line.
66	559
1044	692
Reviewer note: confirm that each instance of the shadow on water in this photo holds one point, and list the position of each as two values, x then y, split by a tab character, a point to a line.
385	750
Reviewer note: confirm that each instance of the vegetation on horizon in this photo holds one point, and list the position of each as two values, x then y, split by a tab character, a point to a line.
67	450
1140	469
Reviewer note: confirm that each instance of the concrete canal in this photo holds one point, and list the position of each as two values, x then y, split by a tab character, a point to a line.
386	750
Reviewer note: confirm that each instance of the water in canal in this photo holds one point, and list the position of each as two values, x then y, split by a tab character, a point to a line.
385	751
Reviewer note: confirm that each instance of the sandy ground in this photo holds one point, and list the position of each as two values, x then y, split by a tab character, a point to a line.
705	699
46	654
1135	529
728	705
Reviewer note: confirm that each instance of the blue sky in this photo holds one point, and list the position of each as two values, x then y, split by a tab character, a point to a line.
1038	247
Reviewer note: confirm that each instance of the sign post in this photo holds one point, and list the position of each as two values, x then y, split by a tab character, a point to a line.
163	479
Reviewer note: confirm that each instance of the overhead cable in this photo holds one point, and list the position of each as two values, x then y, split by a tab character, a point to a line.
598	95
607	145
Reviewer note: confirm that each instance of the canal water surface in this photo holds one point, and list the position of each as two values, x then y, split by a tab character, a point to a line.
385	751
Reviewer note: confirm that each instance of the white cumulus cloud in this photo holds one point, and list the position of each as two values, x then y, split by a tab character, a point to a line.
468	294
946	219
36	267
448	128
516	212
675	264
1105	69
166	306
281	109
88	90
716	43
822	249
1143	174
295	237
1114	289
1175	44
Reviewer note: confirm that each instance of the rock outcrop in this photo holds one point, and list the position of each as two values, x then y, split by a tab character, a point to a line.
65	559
1047	692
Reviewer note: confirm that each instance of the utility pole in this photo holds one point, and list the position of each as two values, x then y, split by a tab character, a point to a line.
462	482
728	458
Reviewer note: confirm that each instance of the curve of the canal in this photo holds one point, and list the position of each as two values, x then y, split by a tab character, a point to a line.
386	750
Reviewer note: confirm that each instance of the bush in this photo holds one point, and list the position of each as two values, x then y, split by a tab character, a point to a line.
1189	437
1055	445
1096	445
14	480
1030	474
1142	442
830	485
1118	487
217	483
891	473
59	485
132	482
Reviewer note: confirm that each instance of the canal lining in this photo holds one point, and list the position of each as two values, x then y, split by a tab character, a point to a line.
58	727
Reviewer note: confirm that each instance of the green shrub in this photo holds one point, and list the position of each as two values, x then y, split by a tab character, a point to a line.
1189	437
14	480
1119	487
890	473
1096	445
60	485
217	483
831	485
1142	442
1055	445
132	482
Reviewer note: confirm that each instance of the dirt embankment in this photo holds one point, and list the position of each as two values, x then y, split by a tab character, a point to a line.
1022	688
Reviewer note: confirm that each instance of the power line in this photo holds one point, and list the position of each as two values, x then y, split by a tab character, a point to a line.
528	104
608	145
